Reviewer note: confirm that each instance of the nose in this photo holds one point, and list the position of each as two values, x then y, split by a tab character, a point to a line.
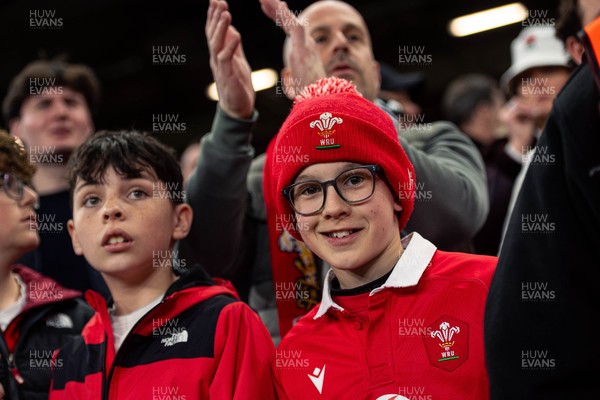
30	198
112	211
335	207
340	42
59	107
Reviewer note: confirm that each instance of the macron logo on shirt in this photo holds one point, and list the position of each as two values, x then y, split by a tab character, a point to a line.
317	378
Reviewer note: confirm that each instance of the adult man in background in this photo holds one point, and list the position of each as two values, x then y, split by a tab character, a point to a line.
49	106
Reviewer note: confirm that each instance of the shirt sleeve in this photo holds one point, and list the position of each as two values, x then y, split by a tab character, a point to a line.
217	192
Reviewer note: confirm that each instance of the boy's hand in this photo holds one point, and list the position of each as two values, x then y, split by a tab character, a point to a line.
302	58
228	63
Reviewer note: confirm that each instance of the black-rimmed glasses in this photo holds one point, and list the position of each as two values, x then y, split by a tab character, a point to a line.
352	185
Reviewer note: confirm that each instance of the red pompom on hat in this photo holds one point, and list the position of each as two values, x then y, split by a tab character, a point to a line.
332	122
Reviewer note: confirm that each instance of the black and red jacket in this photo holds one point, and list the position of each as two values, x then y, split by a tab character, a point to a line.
199	342
52	316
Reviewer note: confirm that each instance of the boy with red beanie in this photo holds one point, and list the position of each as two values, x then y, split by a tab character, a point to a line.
398	318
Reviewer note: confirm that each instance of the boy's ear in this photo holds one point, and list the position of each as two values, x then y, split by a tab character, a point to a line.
183	215
397	206
74	239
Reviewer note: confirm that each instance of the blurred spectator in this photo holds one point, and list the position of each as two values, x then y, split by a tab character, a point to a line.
189	159
49	106
540	323
539	70
473	103
399	89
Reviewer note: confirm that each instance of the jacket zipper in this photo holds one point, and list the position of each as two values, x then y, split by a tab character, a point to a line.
106	385
13	369
12	363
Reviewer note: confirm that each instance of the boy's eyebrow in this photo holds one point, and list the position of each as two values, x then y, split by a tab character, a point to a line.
308	177
143	175
80	186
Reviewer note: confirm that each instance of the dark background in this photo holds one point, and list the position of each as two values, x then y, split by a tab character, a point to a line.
116	38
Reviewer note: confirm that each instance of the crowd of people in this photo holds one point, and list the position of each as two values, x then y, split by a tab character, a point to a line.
359	257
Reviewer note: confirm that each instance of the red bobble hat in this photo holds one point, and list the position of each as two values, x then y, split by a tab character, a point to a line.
332	122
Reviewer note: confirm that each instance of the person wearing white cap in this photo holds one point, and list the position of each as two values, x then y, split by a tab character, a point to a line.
540	68
540	336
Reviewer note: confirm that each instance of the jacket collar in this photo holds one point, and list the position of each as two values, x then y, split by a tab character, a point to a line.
40	289
407	272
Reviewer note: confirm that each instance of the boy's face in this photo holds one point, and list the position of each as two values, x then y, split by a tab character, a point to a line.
17	230
370	236
60	119
123	225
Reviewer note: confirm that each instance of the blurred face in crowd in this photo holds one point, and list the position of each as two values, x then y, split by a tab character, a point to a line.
344	44
538	87
59	119
408	106
189	159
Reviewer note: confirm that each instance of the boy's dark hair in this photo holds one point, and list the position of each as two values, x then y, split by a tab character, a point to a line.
14	159
129	153
77	77
569	20
465	93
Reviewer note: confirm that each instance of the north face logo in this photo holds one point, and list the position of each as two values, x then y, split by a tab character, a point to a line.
60	321
179	337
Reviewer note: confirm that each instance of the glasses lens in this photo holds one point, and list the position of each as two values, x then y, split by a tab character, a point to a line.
307	197
13	187
356	184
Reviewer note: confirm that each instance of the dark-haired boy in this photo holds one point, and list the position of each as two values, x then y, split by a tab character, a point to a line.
37	315
163	333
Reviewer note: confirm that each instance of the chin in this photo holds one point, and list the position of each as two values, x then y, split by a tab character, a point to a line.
30	245
345	264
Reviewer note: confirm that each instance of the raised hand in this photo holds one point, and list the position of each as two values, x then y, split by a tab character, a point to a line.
302	57
228	63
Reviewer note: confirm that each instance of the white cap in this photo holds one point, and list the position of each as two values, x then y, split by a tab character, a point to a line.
536	46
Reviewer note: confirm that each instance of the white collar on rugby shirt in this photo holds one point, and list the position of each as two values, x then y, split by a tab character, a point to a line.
407	271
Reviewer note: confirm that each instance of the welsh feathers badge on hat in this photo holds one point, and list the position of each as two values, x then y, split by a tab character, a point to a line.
325	125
